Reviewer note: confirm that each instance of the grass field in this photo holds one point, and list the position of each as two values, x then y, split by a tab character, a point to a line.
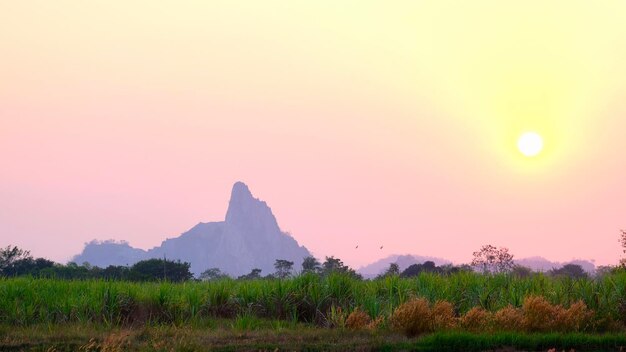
482	312
79	337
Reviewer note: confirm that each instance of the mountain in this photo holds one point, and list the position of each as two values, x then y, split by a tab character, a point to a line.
248	238
403	261
543	264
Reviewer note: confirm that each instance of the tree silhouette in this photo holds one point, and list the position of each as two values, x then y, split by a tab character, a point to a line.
310	265
9	255
490	259
283	268
574	271
253	275
212	274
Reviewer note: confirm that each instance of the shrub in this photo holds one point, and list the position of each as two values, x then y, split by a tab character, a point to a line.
476	319
358	319
539	314
442	316
412	318
575	318
509	319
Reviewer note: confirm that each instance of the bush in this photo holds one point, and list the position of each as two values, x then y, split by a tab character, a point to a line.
539	314
443	317
358	319
476	319
412	318
575	318
509	319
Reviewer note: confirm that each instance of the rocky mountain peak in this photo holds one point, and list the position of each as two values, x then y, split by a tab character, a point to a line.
248	238
247	213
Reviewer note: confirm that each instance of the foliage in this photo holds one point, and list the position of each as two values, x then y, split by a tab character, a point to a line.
326	300
161	269
336	265
430	267
9	256
254	274
574	271
310	265
490	259
283	268
212	274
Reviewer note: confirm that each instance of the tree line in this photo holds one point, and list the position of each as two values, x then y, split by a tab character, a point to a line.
488	259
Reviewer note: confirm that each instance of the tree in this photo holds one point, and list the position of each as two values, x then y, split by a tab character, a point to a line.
212	274
161	269
9	255
428	266
573	271
310	265
253	275
392	270
490	259
333	264
283	268
28	266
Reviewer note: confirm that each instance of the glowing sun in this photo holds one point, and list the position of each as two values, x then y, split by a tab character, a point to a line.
530	143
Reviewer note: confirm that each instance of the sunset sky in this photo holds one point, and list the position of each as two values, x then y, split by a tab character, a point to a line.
358	122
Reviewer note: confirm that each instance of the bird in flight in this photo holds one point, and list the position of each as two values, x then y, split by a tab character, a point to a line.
357	246
381	247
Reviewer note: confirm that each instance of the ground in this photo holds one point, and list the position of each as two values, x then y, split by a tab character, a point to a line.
221	336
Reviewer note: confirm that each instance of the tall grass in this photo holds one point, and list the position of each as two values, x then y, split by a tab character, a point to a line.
307	298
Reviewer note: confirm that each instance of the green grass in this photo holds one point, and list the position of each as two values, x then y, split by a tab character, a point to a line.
308	298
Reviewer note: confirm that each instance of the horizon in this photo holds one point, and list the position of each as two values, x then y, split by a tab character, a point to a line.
429	129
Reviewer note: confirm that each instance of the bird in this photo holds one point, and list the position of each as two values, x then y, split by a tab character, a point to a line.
357	246
381	247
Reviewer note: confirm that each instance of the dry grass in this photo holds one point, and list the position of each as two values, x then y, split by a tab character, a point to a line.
509	319
541	316
358	319
477	319
442	316
412	318
575	318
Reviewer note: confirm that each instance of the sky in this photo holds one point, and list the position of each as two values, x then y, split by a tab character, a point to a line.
374	123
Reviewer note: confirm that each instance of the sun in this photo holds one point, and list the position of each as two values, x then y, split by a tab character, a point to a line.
530	144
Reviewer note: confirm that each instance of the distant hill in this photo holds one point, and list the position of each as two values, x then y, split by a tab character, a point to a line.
248	238
543	264
403	261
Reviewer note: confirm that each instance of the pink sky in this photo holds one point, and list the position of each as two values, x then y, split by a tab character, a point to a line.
357	124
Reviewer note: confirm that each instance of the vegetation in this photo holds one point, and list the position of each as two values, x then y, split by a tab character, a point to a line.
425	307
320	300
490	259
17	262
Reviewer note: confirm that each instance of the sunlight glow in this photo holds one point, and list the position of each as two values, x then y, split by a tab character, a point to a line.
530	144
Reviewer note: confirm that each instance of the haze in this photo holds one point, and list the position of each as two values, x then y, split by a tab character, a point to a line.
358	122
